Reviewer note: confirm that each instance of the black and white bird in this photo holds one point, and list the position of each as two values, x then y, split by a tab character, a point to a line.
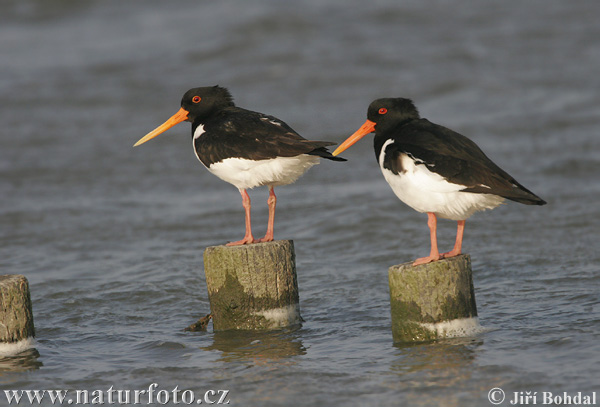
435	170
245	148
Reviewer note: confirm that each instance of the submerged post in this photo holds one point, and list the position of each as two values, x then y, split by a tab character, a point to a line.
16	315
252	286
433	300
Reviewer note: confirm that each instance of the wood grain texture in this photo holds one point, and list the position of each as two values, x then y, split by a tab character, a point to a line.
16	315
252	286
428	294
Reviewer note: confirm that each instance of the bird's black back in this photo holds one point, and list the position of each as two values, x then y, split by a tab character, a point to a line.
451	155
234	132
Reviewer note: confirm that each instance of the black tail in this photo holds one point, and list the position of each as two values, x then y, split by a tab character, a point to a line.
324	153
507	187
518	193
321	150
525	197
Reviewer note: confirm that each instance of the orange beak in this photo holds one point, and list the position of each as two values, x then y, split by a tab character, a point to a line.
177	118
368	127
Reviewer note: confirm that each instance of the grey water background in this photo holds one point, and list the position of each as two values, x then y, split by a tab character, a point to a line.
111	237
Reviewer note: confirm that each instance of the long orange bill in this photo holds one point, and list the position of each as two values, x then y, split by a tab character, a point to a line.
177	118
368	127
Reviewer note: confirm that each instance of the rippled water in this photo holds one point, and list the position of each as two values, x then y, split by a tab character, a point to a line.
111	237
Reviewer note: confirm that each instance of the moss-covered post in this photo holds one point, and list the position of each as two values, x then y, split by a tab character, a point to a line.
433	300
16	315
252	286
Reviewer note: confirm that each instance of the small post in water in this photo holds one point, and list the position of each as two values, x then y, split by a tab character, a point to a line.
252	286
16	315
433	300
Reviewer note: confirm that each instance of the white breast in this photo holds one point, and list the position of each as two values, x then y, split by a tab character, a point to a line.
427	191
245	174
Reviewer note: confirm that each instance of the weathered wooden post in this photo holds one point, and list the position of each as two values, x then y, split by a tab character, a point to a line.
252	286
433	300
16	315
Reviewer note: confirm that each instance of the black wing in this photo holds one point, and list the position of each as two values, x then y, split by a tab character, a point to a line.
241	133
456	158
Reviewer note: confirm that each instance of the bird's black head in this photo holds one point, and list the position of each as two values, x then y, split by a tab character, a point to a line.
383	114
202	102
389	112
196	104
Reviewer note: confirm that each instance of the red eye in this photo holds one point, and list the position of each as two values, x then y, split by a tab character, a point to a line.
196	99
383	110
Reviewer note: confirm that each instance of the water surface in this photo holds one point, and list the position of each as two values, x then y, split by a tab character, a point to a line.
111	237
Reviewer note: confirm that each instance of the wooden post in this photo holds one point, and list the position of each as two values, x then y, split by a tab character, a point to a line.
16	315
433	300
252	286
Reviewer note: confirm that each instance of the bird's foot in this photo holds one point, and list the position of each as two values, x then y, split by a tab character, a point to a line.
449	254
245	240
425	260
267	238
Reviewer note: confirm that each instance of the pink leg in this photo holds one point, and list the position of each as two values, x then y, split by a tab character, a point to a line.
459	237
248	236
272	202
434	254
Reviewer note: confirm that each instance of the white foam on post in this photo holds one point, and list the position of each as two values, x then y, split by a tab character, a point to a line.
282	317
14	348
456	328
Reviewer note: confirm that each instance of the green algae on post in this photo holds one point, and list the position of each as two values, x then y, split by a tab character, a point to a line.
252	286
425	299
16	314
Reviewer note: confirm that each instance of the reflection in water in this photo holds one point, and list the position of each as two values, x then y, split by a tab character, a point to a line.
444	365
449	355
259	347
24	361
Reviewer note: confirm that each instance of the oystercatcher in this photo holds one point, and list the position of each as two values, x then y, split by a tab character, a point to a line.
434	169
245	148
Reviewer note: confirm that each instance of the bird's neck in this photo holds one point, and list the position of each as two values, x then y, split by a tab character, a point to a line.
390	131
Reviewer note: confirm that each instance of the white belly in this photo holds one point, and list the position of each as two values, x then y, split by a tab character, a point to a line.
245	174
427	191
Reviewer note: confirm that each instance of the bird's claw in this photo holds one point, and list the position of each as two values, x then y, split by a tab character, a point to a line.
425	260
245	240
